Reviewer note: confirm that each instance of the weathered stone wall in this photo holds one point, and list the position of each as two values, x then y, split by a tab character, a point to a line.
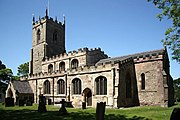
127	72
46	46
87	75
153	94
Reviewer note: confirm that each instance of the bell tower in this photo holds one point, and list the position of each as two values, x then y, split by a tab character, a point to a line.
48	39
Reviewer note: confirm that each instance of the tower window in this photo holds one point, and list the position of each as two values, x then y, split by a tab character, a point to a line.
61	66
76	86
128	85
46	87
101	85
142	81
74	63
50	68
38	36
60	87
55	36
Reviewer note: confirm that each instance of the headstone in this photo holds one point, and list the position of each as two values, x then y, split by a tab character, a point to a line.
83	105
49	102
9	102
100	110
28	103
42	104
69	104
21	102
175	114
63	110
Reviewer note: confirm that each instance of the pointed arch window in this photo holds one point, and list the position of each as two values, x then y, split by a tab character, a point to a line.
50	68
101	85
76	86
62	66
142	81
46	87
74	63
60	86
128	86
38	36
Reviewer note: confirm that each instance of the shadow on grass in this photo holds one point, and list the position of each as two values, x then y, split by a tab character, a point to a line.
54	115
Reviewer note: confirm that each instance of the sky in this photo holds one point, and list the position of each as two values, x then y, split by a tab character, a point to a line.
118	27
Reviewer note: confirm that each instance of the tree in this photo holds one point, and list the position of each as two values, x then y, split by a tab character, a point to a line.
23	69
2	66
6	74
170	10
177	89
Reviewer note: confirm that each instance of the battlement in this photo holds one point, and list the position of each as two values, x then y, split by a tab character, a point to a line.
148	57
44	19
74	53
80	70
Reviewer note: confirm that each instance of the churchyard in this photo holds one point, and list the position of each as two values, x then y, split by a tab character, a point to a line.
134	113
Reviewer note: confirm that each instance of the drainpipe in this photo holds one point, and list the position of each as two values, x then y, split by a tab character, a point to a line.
53	90
36	92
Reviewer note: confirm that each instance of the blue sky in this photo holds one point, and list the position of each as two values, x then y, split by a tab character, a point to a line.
118	27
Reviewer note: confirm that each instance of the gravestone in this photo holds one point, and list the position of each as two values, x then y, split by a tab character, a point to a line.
42	104
100	110
63	110
9	102
49	102
175	114
83	105
21	102
28	103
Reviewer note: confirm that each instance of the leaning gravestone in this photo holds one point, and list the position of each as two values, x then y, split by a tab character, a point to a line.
63	110
42	104
175	114
100	110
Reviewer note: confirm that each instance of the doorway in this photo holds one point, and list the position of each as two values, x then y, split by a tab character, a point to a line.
87	96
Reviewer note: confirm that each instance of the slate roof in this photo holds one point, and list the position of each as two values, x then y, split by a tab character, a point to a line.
136	55
22	86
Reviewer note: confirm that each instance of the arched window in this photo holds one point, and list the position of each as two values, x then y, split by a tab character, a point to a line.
76	86
60	86
38	36
101	85
74	63
62	66
142	81
46	87
128	85
50	68
55	36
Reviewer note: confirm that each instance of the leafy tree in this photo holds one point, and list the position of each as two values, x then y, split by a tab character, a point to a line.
6	74
2	66
23	69
170	10
177	89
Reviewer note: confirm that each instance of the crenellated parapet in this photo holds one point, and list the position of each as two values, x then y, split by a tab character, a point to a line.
44	19
74	53
149	56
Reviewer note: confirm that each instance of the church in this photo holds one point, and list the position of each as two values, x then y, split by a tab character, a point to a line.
89	75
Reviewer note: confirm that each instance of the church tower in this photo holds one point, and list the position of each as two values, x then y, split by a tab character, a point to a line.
48	39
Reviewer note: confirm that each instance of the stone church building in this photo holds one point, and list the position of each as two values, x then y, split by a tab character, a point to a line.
89	75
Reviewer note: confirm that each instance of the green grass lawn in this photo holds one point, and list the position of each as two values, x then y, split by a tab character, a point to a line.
134	113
